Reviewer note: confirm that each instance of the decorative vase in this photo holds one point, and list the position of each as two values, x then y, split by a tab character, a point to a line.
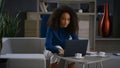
105	23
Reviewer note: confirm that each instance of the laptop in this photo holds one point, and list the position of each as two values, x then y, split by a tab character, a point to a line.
75	46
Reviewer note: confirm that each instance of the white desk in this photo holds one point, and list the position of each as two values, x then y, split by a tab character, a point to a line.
86	60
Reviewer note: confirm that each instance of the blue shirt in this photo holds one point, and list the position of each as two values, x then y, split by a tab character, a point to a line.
57	37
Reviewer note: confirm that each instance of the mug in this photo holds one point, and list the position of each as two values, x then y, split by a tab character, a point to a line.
80	10
101	53
78	55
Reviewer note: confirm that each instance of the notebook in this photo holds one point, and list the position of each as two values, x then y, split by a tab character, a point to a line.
75	46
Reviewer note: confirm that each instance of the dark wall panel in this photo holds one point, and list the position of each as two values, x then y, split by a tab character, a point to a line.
116	19
14	6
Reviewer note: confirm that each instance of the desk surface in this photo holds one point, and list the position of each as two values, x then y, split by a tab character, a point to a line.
22	56
86	59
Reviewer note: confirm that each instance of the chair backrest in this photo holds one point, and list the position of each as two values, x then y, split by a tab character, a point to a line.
23	45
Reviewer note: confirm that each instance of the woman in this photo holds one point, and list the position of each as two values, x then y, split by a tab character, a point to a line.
62	26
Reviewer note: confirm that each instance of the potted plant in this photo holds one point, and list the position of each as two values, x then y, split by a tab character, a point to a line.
9	26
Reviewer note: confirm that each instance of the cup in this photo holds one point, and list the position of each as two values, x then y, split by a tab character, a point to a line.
101	53
78	55
80	10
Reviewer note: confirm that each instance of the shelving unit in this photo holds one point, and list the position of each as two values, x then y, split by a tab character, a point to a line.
107	44
86	19
88	23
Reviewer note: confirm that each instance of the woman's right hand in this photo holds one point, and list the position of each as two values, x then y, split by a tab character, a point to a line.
61	51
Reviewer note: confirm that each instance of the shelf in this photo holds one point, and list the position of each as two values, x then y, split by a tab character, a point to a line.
110	14
69	1
107	39
77	13
86	13
45	12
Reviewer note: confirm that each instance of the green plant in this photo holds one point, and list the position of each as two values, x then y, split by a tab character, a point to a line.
1	20
9	26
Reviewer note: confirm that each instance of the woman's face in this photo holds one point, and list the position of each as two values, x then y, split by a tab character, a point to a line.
64	20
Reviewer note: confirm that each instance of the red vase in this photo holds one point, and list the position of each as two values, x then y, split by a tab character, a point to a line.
105	23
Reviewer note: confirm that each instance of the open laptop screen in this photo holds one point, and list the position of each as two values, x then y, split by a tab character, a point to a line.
75	46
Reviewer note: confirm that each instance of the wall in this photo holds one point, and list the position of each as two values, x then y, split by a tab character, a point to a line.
15	6
116	18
